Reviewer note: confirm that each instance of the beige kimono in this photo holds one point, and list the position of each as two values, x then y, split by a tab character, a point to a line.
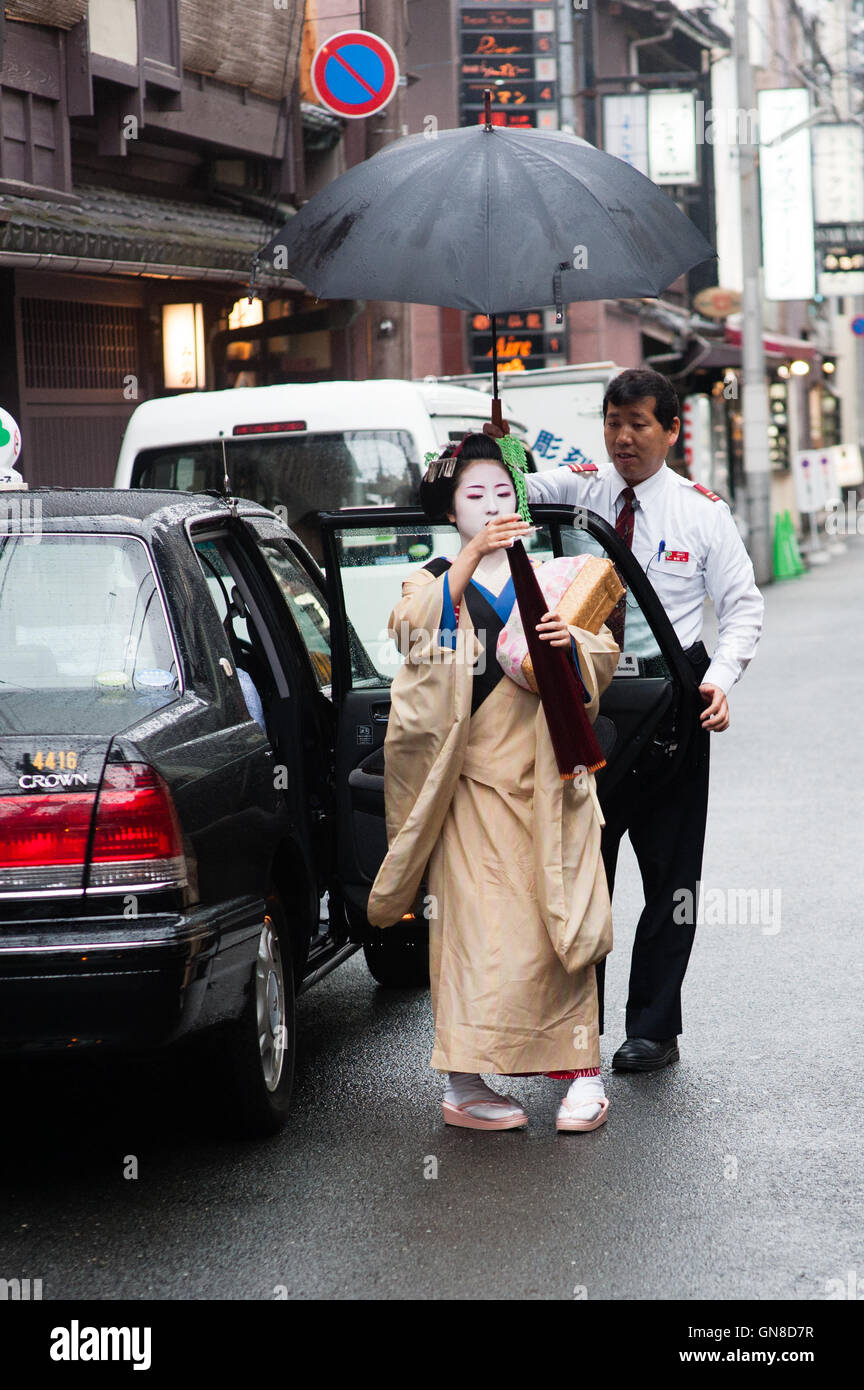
518	905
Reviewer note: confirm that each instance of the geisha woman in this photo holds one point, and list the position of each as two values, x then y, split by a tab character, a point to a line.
517	897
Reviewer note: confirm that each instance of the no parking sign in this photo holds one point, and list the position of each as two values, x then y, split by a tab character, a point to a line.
355	74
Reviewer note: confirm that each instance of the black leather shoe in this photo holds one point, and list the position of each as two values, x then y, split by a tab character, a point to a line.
645	1054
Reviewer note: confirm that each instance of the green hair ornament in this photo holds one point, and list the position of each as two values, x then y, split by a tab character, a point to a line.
513	454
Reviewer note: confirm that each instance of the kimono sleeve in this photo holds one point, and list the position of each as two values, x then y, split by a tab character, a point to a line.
416	621
598	657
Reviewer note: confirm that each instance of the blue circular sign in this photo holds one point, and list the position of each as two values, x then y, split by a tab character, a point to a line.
858	326
355	73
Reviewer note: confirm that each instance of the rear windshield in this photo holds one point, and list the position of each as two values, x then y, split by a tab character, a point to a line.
84	645
304	473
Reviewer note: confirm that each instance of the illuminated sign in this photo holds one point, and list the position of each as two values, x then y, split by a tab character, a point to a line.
655	133
486	44
786	182
510	50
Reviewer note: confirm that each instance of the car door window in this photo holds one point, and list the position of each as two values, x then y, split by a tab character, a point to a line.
305	603
308	605
373	564
260	676
641	651
220	582
371	555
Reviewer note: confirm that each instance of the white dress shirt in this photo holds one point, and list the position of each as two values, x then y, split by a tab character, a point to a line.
702	554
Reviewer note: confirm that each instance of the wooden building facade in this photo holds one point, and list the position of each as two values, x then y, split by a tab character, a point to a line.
148	149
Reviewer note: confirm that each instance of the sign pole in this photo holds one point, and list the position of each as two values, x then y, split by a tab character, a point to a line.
390	346
755	414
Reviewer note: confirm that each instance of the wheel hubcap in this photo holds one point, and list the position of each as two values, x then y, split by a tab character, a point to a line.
270	1005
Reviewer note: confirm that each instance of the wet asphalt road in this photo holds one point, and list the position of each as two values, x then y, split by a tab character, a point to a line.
736	1173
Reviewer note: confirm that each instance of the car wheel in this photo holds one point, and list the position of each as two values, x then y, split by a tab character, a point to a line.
255	1057
399	955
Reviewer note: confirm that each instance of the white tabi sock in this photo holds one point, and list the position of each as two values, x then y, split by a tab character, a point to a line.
469	1088
584	1097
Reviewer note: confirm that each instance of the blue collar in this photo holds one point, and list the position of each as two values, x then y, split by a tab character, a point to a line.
503	602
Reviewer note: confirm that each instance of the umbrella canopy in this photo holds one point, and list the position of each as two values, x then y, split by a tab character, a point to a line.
489	219
494	220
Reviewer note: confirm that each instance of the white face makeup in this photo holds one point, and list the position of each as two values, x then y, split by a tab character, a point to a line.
483	492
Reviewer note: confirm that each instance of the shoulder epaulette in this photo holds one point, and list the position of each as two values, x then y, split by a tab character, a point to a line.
706	492
582	467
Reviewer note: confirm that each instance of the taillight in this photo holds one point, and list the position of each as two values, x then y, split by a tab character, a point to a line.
272	427
43	841
136	837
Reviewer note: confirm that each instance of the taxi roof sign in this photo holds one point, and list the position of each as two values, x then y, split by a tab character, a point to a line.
10	448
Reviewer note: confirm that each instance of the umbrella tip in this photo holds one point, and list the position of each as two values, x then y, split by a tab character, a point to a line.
487	107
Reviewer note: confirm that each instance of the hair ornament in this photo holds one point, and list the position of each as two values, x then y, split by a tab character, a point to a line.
441	465
516	463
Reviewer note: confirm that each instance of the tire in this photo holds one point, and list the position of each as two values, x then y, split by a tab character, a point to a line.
252	1060
399	956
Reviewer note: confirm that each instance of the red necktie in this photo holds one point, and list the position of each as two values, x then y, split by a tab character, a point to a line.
623	528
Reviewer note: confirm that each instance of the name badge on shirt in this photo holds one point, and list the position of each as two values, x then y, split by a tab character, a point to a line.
681	555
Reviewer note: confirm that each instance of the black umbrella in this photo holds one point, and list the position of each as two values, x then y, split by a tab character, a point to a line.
489	219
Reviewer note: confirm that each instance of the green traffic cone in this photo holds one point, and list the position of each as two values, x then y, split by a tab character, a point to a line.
786	566
777	520
792	543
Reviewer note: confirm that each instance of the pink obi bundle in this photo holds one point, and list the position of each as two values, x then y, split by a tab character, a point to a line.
581	589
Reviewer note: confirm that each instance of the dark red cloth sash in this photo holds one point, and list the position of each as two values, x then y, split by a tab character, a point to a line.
573	739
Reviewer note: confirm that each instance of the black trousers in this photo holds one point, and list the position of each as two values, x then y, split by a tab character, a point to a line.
666	826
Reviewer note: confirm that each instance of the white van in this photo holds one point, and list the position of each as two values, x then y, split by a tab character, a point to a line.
560	407
303	448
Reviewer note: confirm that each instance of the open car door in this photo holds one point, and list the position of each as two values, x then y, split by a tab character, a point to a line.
649	713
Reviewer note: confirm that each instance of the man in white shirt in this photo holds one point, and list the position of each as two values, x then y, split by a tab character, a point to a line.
686	541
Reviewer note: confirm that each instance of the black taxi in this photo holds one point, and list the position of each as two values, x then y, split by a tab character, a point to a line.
192	720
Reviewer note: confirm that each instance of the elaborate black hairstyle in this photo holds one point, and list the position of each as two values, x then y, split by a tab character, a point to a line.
441	477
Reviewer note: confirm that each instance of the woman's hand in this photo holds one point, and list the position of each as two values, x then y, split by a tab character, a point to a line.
553	629
498	534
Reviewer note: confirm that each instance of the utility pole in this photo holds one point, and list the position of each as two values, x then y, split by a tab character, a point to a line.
566	67
838	19
389	321
754	405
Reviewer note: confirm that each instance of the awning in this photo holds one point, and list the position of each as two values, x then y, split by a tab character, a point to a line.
698	22
709	345
322	129
777	346
666	321
100	231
